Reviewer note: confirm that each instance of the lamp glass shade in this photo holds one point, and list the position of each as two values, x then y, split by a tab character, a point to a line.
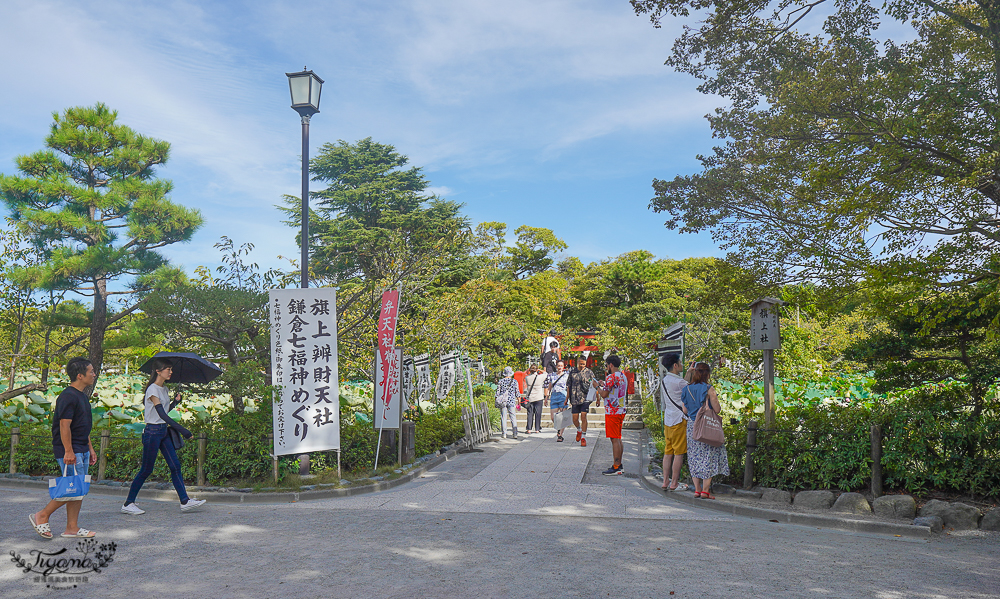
299	87
315	86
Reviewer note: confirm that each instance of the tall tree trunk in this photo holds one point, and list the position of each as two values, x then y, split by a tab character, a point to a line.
234	391
21	310
98	325
45	355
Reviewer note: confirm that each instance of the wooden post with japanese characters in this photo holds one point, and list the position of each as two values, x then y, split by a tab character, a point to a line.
304	370
765	334
388	411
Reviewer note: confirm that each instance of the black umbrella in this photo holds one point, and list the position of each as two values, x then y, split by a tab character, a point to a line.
188	368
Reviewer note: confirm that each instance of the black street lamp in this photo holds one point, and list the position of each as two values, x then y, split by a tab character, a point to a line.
305	88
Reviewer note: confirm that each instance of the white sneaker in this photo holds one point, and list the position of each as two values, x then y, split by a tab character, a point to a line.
132	509
192	504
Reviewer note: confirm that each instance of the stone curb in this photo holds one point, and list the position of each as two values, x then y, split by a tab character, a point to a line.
237	497
817	520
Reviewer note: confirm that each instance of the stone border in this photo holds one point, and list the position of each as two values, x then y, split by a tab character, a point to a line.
251	497
816	520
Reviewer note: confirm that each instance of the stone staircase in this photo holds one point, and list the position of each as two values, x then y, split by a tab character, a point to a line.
595	418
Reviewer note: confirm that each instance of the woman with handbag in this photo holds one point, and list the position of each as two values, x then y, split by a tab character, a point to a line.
156	438
506	400
705	460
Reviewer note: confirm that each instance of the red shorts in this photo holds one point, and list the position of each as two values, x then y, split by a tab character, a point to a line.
613	425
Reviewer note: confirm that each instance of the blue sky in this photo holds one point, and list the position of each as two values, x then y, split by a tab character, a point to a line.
551	113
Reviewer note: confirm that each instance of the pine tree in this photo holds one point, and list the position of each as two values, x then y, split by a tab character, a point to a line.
92	205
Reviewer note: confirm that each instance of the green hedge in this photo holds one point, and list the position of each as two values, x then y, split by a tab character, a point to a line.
238	448
932	440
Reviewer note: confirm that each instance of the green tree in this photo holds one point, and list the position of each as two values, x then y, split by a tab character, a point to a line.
91	203
932	339
225	317
847	159
375	227
533	251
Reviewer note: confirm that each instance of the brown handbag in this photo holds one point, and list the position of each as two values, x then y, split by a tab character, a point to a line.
708	426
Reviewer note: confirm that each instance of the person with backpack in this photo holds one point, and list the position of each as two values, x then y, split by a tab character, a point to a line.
534	385
674	424
157	439
506	399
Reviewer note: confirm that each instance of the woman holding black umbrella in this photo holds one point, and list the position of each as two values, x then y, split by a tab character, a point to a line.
155	439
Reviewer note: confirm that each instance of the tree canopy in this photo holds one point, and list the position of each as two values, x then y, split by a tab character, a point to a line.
92	206
847	158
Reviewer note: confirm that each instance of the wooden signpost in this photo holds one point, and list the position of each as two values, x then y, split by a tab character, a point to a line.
765	334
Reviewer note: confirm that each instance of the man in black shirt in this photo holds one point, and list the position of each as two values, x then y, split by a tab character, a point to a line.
71	424
551	357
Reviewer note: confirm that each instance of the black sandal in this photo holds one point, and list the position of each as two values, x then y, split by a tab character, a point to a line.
559	438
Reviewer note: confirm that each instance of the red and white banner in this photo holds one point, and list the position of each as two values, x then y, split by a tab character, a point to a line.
388	363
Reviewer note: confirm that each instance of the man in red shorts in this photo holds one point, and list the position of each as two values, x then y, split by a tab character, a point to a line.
613	392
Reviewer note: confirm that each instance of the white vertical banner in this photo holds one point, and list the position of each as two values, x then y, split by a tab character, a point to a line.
422	364
446	376
387	401
304	370
409	378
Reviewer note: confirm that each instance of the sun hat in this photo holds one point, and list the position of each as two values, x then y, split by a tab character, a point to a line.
508	372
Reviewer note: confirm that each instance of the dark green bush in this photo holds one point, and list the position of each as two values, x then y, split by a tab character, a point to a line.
932	440
238	447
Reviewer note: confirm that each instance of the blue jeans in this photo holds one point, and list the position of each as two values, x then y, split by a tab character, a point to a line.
155	440
557	400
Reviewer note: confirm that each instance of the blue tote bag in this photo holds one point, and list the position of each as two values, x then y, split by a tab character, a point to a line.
69	487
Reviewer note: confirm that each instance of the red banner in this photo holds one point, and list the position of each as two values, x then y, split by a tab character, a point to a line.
387	358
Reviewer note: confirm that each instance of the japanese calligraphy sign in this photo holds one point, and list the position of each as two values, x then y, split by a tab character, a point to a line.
479	368
304	369
446	376
764	331
422	364
388	413
409	378
387	363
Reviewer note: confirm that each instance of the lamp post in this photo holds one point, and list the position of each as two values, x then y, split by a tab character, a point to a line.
305	88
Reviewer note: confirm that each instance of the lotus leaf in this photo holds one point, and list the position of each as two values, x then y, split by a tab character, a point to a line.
135	427
119	416
39	400
36	410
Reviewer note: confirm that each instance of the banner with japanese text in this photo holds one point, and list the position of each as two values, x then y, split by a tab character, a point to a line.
387	364
422	364
304	370
409	378
446	375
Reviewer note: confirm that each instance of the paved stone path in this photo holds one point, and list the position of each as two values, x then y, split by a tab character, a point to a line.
532	476
512	521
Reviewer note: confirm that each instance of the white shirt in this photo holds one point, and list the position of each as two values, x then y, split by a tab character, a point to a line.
151	417
672	415
548	340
